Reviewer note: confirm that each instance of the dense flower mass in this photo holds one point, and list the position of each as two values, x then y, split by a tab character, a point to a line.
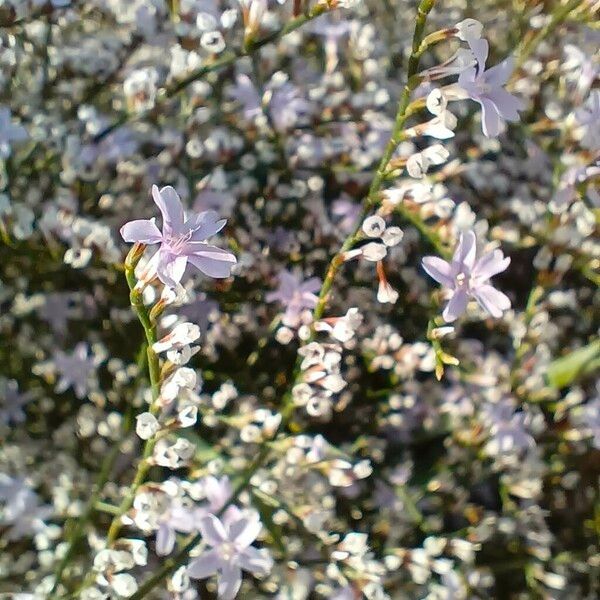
354	354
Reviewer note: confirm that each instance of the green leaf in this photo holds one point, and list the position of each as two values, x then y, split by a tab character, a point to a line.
565	370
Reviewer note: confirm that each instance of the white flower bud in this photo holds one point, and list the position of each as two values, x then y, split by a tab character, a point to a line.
417	165
392	236
124	584
188	416
146	425
373	226
469	29
374	251
386	293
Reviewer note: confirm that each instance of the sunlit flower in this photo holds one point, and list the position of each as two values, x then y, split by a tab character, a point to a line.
467	276
182	241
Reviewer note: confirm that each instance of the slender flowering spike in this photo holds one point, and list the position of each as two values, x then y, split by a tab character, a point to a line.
182	241
468	277
230	551
487	88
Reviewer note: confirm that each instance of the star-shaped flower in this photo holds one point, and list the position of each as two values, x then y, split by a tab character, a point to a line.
230	550
467	276
182	240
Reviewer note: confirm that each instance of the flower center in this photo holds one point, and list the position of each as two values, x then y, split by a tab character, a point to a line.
227	551
178	242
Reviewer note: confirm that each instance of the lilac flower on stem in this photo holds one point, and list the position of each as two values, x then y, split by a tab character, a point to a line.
467	276
230	551
183	239
295	295
75	370
486	88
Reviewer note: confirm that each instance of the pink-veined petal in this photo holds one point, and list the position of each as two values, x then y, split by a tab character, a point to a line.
167	200
205	565
439	269
144	231
456	306
492	300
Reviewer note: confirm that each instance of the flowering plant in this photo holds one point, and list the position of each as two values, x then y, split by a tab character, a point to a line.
299	299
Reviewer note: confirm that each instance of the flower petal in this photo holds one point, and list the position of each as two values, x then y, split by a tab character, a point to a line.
144	231
439	269
245	530
480	49
165	540
205	225
490	264
230	581
167	200
212	261
256	561
456	306
171	268
491	122
205	565
212	530
492	300
465	251
499	74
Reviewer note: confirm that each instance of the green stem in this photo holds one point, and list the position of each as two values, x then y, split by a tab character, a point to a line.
402	115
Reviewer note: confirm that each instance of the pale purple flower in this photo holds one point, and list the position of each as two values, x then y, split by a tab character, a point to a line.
12	402
247	95
56	311
182	241
20	510
185	519
296	295
508	429
75	370
176	518
487	88
230	551
467	276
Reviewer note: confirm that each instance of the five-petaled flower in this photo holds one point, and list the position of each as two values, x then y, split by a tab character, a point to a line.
486	88
296	295
230	551
182	240
467	276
